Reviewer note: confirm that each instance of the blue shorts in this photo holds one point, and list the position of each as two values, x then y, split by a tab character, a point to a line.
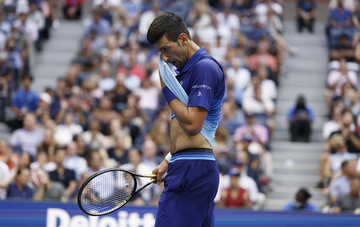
190	187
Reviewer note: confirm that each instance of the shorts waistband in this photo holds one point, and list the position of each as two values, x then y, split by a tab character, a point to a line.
193	154
194	150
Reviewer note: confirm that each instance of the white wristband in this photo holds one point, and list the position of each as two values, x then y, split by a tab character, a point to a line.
168	157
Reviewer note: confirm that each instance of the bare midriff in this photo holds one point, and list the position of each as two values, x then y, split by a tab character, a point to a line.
180	140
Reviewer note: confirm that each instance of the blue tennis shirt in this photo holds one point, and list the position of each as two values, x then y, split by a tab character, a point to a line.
203	80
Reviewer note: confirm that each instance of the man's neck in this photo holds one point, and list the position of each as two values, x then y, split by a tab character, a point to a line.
191	50
19	186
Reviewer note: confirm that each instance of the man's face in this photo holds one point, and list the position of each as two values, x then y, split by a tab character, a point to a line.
171	52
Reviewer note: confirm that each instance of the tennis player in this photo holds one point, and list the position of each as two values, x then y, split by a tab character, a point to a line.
192	176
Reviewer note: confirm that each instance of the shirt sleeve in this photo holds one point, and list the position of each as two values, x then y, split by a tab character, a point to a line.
203	84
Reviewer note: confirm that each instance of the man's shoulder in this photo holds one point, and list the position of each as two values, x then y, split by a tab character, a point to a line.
207	62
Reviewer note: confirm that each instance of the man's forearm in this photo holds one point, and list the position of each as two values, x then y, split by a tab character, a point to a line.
187	118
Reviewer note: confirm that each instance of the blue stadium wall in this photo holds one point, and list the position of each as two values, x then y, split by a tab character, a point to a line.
31	214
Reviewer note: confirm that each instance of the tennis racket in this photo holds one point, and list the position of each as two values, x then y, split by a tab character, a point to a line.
108	190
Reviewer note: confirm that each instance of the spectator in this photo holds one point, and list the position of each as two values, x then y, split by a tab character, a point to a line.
63	175
341	154
42	162
4	173
73	161
24	101
301	202
149	154
351	201
94	162
105	113
18	189
336	81
44	105
333	125
27	26
76	106
106	83
240	75
29	137
341	185
7	156
306	13
148	94
72	9
118	152
69	127
262	58
340	17
235	196
300	119
83	150
39	19
114	131
349	133
120	94
99	25
342	49
231	117
262	106
259	132
48	190
93	137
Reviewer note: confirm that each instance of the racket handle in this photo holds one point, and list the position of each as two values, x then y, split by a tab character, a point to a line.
153	181
150	175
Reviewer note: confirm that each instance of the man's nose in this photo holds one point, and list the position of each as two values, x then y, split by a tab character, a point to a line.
165	58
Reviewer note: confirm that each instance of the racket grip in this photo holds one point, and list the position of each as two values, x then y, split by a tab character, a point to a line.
150	175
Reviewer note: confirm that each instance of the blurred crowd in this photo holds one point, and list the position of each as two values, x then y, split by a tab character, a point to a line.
339	166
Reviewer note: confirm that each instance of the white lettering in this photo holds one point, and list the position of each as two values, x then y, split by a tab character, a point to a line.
148	220
107	222
134	220
122	218
201	86
53	214
79	221
93	221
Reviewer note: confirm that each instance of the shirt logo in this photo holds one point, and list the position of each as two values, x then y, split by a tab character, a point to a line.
181	83
199	94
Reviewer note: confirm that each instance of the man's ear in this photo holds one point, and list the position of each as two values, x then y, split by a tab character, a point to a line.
183	39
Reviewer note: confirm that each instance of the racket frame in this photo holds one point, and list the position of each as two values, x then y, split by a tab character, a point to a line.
132	194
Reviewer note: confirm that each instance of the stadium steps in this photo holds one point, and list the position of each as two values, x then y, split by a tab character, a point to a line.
58	52
296	163
53	61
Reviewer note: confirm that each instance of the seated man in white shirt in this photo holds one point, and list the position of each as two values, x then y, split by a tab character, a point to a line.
73	161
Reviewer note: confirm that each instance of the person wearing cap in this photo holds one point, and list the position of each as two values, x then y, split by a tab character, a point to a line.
235	196
301	202
44	104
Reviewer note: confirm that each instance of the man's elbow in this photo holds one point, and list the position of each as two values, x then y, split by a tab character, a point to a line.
193	129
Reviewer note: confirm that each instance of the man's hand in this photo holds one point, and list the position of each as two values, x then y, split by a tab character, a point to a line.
160	170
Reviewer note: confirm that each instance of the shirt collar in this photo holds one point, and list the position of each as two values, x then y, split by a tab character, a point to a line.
195	58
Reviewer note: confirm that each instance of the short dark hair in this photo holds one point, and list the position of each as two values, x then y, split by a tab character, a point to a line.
27	76
169	24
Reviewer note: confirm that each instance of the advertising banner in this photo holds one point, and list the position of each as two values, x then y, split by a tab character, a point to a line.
35	214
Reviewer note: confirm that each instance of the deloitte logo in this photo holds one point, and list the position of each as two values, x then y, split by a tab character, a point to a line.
60	218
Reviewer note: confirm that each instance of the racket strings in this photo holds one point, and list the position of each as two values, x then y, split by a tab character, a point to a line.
107	192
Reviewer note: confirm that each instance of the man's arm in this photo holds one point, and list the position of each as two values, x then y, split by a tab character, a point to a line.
190	118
